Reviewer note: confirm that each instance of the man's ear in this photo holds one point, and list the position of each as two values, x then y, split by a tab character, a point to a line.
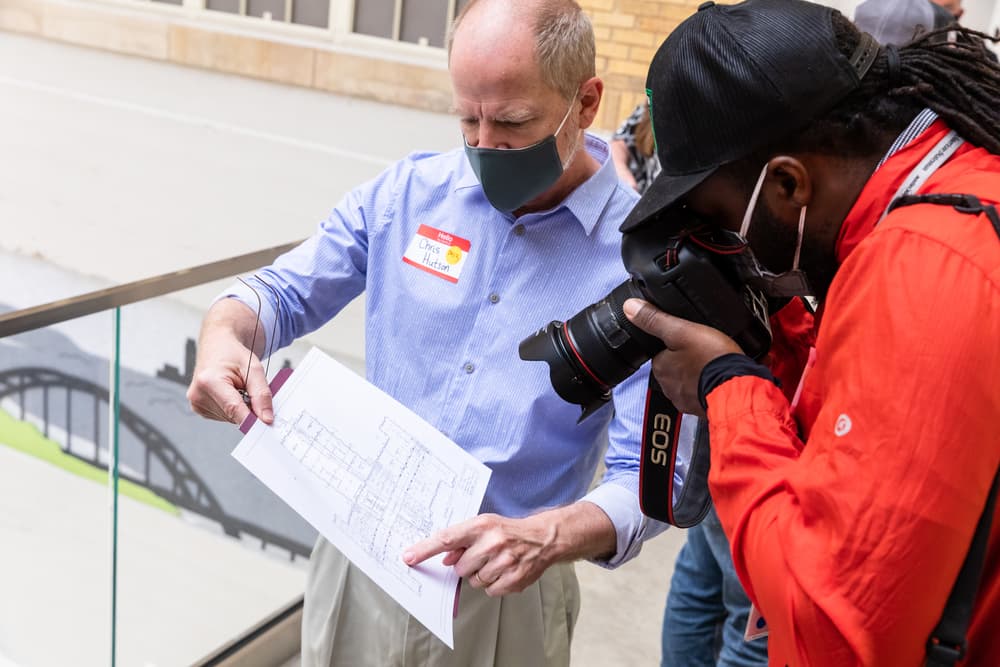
591	92
788	186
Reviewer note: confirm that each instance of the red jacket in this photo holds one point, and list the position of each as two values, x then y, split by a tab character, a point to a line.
850	516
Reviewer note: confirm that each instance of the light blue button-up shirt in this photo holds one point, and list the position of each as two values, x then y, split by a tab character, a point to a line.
449	350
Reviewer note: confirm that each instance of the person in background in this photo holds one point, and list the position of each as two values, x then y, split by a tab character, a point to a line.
707	609
897	21
457	253
953	7
901	21
634	151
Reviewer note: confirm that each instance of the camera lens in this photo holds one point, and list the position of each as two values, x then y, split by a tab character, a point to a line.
592	351
694	272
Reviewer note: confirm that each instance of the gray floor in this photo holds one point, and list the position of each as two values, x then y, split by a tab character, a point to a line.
122	168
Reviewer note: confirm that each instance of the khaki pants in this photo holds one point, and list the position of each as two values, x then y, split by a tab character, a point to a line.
349	622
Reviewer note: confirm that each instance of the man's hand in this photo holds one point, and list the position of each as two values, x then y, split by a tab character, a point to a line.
498	554
690	347
505	556
222	363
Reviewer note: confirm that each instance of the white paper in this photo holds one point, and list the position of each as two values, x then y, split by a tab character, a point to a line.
371	476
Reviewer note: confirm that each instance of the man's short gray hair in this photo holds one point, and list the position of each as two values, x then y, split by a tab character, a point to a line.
564	42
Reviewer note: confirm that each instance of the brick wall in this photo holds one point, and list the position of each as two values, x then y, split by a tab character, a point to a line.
628	33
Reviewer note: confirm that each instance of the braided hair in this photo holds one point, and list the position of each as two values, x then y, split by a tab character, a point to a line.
956	79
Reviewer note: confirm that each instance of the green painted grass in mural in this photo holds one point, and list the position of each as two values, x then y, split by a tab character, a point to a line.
24	437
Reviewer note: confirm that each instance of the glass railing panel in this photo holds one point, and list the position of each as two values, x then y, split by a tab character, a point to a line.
208	551
55	565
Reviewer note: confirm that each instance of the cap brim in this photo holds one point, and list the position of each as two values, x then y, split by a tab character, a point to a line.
664	191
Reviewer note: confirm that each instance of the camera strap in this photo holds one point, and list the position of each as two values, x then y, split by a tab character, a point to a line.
668	457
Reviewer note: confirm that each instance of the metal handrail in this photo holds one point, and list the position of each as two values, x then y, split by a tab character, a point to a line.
36	317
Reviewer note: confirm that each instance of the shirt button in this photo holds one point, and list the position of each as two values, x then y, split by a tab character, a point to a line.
494	298
468	368
518	230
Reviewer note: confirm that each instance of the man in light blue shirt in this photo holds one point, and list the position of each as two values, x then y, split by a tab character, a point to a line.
461	256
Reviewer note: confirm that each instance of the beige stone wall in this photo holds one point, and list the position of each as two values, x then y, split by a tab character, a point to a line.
628	33
300	59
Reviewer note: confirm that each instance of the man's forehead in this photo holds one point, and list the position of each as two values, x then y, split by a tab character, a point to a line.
514	108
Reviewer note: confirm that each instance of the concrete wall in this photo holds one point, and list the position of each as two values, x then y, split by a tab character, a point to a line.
302	56
628	33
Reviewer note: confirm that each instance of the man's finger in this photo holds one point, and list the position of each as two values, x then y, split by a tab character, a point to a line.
230	404
453	557
234	409
260	393
449	539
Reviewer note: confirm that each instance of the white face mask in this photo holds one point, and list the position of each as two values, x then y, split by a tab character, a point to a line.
790	283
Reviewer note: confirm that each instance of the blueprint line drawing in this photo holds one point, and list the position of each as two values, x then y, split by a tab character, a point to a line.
371	476
396	493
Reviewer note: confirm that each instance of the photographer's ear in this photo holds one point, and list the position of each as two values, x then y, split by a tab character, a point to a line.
788	186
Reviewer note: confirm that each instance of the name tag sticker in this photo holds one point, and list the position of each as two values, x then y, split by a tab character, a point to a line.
439	253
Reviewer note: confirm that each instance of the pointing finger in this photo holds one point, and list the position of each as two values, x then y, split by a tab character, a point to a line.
449	539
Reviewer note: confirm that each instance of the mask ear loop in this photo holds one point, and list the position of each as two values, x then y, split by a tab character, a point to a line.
798	242
566	117
253	340
745	227
271	345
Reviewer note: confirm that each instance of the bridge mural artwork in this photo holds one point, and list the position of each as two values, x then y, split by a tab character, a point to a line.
163	446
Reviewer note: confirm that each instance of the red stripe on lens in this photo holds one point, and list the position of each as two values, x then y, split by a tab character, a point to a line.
593	376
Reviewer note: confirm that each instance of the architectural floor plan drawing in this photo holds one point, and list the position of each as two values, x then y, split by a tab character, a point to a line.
371	476
394	494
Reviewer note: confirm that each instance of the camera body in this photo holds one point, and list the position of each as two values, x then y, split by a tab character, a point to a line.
684	268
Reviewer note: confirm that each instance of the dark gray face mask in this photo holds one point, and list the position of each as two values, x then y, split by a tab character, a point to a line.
511	177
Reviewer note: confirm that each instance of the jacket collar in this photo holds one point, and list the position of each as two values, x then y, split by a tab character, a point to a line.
883	184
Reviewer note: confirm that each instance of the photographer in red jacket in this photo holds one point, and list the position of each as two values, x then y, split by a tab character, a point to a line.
869	176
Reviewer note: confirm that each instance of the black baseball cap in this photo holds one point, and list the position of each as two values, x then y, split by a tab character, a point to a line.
733	78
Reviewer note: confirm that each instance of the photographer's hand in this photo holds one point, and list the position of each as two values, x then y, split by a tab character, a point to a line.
690	347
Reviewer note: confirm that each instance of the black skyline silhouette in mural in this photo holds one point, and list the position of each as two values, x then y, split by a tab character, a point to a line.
163	445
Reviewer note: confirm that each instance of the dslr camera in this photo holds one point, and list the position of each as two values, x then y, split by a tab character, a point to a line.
686	269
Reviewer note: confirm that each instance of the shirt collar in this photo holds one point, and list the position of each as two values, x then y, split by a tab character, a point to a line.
916	127
587	201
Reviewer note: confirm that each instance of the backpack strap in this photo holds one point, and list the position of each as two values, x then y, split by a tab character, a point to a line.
961	203
947	643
